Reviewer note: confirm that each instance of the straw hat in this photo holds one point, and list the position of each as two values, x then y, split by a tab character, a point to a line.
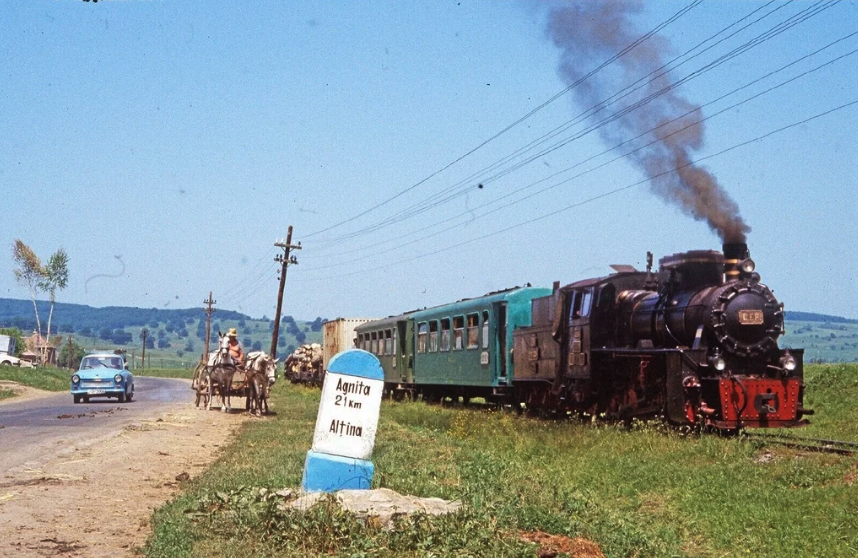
232	332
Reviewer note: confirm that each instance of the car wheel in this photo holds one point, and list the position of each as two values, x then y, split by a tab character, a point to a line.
76	398
5	363
86	399
129	396
122	397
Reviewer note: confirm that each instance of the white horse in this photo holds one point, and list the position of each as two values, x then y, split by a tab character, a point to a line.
220	370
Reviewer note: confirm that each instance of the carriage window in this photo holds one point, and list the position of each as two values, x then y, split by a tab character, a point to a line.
388	342
374	343
458	333
422	332
359	341
473	331
394	344
445	334
485	330
433	336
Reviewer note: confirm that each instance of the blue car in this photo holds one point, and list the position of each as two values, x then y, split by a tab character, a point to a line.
102	375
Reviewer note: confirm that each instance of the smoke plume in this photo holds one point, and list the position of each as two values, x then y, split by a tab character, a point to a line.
590	32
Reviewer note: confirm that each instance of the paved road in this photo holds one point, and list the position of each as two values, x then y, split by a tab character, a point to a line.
33	430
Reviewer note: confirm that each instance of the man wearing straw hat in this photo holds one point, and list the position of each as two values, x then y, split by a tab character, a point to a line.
235	350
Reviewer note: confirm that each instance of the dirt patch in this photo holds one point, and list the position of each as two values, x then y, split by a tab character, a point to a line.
21	392
555	545
96	501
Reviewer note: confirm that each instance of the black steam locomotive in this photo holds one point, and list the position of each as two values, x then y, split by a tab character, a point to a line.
696	341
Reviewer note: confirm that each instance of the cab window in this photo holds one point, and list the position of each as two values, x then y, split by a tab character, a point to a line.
580	306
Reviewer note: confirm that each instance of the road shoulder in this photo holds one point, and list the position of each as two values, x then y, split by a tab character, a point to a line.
97	500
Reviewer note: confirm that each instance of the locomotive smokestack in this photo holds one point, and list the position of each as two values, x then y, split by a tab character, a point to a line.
734	254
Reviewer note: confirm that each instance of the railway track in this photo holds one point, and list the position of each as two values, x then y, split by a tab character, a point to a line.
840	447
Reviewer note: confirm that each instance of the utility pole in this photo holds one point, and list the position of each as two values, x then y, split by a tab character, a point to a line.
209	311
143	333
285	260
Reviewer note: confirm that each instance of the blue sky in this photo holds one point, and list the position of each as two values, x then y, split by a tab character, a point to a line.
167	145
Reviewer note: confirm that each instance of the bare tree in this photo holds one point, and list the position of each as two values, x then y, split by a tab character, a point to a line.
55	276
29	272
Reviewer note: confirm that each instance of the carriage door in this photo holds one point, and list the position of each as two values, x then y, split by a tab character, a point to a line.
579	334
405	350
503	353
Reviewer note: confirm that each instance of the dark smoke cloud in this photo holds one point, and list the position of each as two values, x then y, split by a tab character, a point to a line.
590	32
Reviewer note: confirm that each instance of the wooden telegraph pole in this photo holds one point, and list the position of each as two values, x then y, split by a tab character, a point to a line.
143	333
209	311
285	260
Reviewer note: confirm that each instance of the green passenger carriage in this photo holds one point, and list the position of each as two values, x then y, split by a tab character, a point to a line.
459	349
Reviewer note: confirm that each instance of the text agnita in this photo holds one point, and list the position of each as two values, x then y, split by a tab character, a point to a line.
352	387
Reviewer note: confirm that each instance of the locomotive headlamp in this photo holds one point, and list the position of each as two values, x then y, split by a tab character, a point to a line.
788	362
717	362
747	266
118	378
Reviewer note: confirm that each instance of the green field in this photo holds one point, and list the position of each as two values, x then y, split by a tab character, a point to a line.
823	341
648	491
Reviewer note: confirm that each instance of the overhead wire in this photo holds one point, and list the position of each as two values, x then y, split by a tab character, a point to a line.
518	121
759	39
593	198
623	155
781	27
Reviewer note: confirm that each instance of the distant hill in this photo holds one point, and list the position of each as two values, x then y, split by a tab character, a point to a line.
176	337
813	317
73	317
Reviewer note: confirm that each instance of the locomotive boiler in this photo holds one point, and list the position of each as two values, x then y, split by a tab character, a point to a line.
696	341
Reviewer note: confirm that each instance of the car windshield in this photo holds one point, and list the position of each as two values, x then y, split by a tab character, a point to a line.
101	362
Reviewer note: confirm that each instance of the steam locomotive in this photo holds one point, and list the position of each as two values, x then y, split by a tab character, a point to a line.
695	342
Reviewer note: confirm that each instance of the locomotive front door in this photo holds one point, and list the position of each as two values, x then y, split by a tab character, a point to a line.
578	348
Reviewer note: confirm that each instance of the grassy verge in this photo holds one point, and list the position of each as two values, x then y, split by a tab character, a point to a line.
48	379
6	393
648	491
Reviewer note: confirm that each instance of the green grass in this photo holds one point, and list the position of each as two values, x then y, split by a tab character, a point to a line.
648	491
48	379
6	393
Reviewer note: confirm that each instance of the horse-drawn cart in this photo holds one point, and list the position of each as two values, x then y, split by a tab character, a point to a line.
220	376
200	385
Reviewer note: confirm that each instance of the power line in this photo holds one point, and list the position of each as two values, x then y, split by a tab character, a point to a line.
556	96
456	191
622	156
596	197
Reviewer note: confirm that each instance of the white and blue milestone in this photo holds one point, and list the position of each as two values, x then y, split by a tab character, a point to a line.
346	424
